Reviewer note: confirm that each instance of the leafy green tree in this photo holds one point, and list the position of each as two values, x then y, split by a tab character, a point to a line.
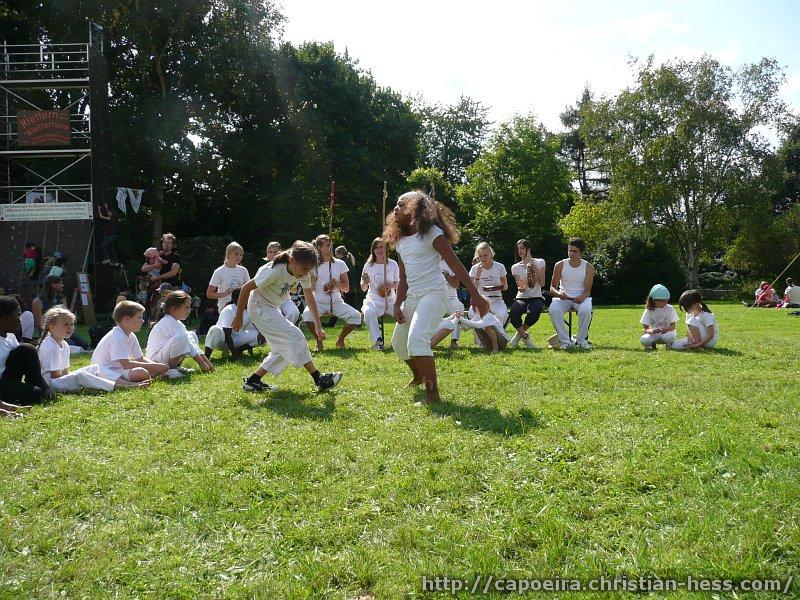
518	187
430	179
589	167
453	136
594	221
684	143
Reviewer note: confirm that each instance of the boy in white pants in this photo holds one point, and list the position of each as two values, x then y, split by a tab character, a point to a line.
571	288
119	351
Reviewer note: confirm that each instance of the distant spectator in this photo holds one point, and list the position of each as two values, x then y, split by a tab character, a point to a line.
791	296
767	298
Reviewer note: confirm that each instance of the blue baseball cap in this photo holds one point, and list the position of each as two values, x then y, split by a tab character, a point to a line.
659	292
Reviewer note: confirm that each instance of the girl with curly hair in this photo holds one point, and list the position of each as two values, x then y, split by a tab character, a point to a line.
422	230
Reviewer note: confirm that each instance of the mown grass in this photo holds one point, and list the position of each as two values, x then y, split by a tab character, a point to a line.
536	464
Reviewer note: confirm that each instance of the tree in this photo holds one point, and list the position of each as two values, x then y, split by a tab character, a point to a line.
518	187
590	169
787	192
430	179
452	136
684	144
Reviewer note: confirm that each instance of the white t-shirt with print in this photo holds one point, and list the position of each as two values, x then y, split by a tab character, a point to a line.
228	278
114	347
659	317
7	344
167	329
375	273
706	319
421	262
452	292
490	278
53	356
327	271
273	285
793	292
520	270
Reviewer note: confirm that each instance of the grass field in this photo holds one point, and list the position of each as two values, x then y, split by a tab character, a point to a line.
536	464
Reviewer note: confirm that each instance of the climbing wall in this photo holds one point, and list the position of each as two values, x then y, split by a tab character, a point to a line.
70	237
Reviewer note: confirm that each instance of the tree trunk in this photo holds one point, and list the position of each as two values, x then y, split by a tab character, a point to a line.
692	274
158	209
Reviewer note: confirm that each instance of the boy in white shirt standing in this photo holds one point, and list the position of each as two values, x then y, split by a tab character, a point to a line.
228	277
119	350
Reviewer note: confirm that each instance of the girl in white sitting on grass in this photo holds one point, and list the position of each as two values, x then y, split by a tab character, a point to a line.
702	327
58	324
169	342
659	319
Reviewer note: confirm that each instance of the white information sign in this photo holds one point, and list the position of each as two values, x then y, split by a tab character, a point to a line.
50	211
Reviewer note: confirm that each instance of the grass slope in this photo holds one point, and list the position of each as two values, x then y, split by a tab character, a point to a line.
535	464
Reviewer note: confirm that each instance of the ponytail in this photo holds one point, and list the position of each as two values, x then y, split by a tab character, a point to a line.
173	300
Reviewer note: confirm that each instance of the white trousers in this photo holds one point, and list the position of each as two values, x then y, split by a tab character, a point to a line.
247	336
180	345
341	310
496	306
290	311
373	309
91	377
287	344
559	307
423	314
651	339
682	344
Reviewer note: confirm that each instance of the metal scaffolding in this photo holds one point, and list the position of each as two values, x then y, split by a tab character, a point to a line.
66	78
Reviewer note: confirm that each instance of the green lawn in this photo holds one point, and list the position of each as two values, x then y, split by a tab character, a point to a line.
536	464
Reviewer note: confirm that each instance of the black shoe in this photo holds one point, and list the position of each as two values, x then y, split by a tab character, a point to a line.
257	386
328	381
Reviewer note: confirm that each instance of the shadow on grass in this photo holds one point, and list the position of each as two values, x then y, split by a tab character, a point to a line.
483	418
287	403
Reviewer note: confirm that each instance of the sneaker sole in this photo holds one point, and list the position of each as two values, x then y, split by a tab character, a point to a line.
322	389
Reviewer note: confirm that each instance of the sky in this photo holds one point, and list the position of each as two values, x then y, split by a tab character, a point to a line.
534	56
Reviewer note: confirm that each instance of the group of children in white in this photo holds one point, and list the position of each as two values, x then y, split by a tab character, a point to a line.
417	290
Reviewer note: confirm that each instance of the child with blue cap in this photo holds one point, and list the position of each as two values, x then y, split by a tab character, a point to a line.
659	319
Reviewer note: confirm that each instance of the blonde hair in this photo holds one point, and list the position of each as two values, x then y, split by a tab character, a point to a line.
478	248
126	308
52	316
233	246
273	246
318	241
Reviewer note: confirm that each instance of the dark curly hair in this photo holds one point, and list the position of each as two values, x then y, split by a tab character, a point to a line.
425	213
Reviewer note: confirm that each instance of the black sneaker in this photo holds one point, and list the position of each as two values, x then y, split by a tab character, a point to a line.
257	386
328	381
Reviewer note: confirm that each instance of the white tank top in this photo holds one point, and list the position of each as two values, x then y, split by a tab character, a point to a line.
573	279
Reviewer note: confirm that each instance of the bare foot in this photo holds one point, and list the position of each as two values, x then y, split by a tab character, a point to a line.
320	347
340	344
414	382
431	393
9	414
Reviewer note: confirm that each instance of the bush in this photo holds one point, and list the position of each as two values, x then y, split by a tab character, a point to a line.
629	264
